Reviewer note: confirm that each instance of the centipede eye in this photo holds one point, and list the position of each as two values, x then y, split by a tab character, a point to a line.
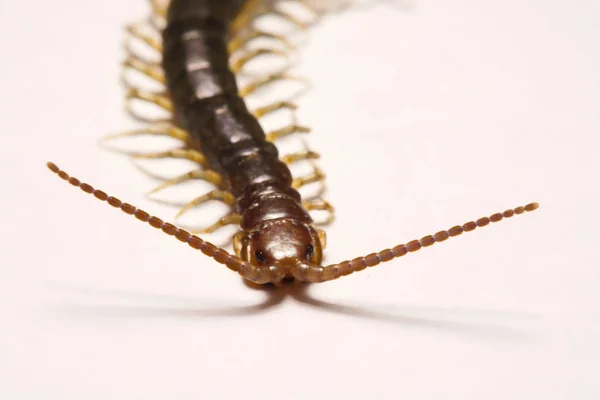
310	250
260	256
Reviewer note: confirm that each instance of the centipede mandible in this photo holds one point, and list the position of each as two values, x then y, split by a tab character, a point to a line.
204	46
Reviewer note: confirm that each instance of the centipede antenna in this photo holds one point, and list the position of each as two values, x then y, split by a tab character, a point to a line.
315	273
222	256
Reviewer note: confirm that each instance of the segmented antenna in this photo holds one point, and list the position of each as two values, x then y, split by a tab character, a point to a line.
316	273
301	271
234	263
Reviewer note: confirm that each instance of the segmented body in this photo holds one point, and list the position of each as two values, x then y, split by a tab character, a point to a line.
277	239
220	133
206	102
202	45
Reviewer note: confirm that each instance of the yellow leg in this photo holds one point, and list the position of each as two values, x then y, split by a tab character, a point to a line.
158	14
153	130
271	108
230	219
237	242
158	178
151	71
238	64
311	7
132	52
243	39
151	97
157	22
206	175
292	19
257	84
300	156
163	179
251	10
159	8
288	130
316	176
183	154
318	204
219	195
322	237
137	31
320	7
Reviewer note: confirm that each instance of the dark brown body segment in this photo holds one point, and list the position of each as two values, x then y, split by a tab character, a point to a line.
206	103
277	240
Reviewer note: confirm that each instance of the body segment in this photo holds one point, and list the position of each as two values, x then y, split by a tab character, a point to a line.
276	229
223	137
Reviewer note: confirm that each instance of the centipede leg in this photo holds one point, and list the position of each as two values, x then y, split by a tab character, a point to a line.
153	130
271	108
248	14
137	32
150	70
158	8
302	155
310	7
316	176
132	52
205	175
243	39
238	64
230	219
219	195
291	18
286	131
318	204
237	243
151	97
264	81
318	9
182	154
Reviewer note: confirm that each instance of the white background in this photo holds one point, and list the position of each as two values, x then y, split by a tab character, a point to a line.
425	118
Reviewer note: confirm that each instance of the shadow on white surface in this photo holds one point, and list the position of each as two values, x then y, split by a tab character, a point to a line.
475	322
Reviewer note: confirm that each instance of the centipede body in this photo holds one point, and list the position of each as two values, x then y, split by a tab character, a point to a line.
277	239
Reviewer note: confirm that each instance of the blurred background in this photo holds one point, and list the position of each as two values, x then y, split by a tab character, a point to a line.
426	114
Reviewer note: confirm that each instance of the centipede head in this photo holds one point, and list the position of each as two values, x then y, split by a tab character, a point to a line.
282	245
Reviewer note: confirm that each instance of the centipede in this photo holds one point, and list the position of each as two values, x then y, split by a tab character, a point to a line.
203	47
